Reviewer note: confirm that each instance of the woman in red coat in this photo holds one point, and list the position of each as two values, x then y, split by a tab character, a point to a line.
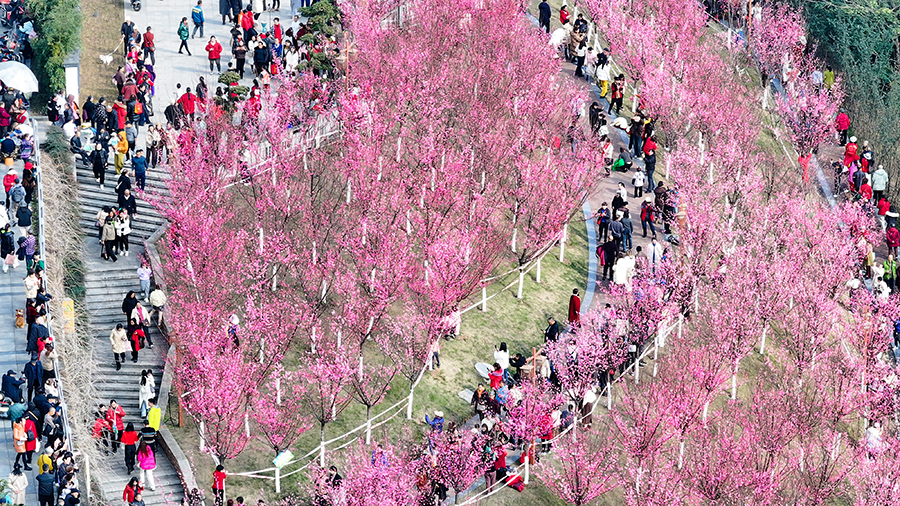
132	489
31	440
215	54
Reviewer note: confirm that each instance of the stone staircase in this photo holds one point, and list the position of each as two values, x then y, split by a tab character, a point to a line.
106	284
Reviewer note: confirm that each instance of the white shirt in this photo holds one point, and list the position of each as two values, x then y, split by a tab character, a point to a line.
502	358
655	253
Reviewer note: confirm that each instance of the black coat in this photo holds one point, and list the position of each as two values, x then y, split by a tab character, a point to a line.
544	13
7	244
128	305
128	203
552	332
12	387
37	332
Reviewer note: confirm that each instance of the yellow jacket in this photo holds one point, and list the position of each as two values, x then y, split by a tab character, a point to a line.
154	417
44	459
122	145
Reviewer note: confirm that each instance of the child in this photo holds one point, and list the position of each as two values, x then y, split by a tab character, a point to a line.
637	180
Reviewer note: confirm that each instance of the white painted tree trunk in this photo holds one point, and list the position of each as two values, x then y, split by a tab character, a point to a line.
278	391
483	299
562	243
521	283
409	404
538	277
762	345
681	455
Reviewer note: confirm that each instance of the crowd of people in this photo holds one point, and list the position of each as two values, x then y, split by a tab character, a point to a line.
110	429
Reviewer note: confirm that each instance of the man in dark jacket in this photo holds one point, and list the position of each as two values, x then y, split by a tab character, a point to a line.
34	373
551	333
38	331
544	14
12	387
127	202
127	32
649	168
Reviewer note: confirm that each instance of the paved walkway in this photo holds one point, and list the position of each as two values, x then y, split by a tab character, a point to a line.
173	68
13	357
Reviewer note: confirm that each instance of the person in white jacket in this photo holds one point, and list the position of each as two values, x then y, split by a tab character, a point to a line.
879	183
501	356
147	391
18	484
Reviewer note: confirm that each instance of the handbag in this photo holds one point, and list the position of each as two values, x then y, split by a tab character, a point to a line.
10	259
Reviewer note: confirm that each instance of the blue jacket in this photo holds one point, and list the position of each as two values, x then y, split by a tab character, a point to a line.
197	14
35	373
545	13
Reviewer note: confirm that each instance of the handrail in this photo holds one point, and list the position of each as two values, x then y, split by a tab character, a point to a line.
42	248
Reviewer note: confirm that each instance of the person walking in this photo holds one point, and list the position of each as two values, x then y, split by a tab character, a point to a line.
544	14
147	462
647	215
197	18
8	248
118	340
501	356
215	54
627	231
98	159
618	94
34	373
132	490
46	491
123	231
650	168
18	485
109	240
139	165
121	151
115	416
183	33
218	485
637	181
842	125
240	56
25	438
879	183
136	337
144	272
149	46
129	442
146	391
574	308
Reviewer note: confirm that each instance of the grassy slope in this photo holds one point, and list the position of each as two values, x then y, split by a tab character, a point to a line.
100	35
519	323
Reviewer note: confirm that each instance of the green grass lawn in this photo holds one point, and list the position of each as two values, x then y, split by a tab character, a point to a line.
520	323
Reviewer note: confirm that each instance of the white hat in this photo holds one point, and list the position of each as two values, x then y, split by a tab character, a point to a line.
648	199
234	319
439	414
852	139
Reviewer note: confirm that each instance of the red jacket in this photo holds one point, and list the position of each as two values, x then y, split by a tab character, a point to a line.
30	446
99	425
115	417
276	32
8	181
246	21
893	237
121	111
129	493
214	50
866	191
218	480
883	207
188	102
843	121
148	41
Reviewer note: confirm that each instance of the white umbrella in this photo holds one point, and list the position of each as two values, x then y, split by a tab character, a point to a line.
19	76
